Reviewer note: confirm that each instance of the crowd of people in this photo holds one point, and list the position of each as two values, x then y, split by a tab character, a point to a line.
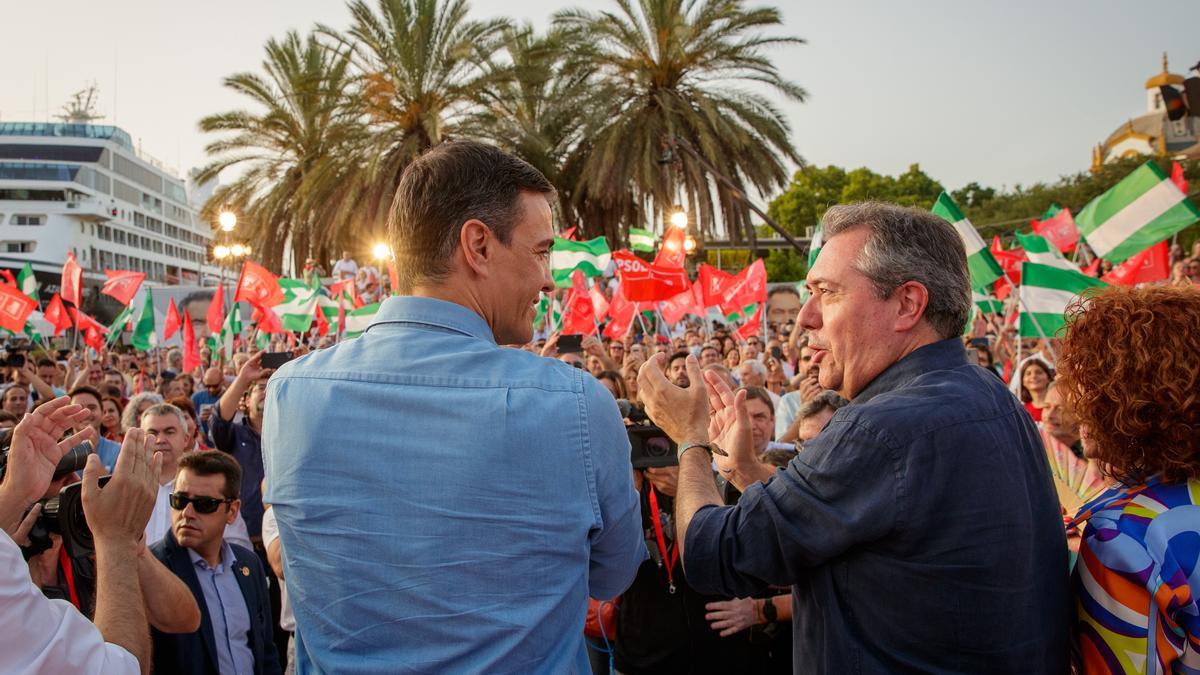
862	485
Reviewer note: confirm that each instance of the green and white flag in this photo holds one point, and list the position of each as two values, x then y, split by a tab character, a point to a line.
814	246
299	300
359	319
641	240
1039	251
983	267
1137	213
987	303
118	325
591	256
144	336
1045	294
27	283
231	329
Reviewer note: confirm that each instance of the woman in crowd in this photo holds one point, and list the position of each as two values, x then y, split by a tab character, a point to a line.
132	415
614	382
1135	394
110	419
733	358
1035	378
629	373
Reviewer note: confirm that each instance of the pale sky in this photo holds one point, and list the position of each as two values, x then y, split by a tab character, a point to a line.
996	92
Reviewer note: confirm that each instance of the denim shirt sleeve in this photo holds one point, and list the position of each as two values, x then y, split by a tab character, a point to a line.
846	487
618	548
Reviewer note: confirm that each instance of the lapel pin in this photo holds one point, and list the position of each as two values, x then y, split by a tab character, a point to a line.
245	571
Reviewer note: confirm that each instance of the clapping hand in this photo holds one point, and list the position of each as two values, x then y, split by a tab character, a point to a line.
729	426
36	450
681	412
118	513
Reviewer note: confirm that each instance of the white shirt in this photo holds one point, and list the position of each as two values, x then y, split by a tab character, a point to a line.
160	521
38	635
270	532
345	268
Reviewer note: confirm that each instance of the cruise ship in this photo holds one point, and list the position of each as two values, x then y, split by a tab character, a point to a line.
84	188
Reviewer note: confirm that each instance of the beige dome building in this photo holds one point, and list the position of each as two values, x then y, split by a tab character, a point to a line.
1152	133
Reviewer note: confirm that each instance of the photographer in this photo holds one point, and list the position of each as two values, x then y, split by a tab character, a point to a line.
40	635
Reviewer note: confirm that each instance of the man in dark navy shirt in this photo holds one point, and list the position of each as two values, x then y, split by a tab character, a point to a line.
920	530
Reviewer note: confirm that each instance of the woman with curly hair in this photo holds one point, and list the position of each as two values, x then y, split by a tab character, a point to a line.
1129	367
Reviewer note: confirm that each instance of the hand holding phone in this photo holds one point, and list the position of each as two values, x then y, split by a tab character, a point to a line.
273	360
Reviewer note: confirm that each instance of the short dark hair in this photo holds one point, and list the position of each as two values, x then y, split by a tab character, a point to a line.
43	362
6	416
760	394
212	463
84	389
681	354
787	289
826	400
454	182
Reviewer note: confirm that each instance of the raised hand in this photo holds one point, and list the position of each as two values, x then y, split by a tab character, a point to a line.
36	450
681	413
729	427
118	513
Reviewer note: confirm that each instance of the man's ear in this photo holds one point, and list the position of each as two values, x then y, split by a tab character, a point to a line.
477	246
914	299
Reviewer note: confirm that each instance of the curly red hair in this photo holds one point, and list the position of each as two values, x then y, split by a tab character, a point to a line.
1131	367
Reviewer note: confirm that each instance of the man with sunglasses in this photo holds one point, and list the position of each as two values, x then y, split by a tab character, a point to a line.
226	580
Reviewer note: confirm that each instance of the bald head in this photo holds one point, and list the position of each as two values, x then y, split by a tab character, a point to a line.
213	380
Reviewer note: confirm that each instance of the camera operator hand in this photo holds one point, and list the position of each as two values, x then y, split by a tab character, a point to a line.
33	454
729	428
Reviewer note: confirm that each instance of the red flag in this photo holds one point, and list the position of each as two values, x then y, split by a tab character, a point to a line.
394	277
1177	177
216	311
599	301
640	281
15	308
672	253
753	325
72	280
267	320
1152	264
8	278
322	322
1093	269
172	323
622	312
997	247
122	285
258	286
713	283
191	355
56	314
579	316
94	338
674	309
346	287
749	286
1059	230
84	322
570	234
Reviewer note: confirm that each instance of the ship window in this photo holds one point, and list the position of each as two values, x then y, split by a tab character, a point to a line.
19	246
23	195
27	220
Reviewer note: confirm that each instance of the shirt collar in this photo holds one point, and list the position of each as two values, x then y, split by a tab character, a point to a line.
941	355
433	312
227	559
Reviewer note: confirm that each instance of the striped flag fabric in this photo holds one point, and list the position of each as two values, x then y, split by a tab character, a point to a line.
1143	209
1045	294
1039	250
982	265
641	240
987	303
566	256
27	283
814	247
144	336
358	320
296	311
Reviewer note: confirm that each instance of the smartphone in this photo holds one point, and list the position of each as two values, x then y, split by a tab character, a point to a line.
206	408
570	344
275	359
15	361
979	343
777	353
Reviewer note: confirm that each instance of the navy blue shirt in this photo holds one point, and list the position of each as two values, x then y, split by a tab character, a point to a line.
919	531
244	443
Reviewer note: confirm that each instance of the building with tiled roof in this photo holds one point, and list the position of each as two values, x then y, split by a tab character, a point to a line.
1152	133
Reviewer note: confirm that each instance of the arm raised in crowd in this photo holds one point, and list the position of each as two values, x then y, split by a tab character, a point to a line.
29	374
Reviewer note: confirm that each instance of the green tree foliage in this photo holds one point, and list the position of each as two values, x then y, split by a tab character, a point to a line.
815	189
786	265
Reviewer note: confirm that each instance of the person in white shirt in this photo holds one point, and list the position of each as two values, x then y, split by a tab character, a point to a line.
345	268
169	425
39	635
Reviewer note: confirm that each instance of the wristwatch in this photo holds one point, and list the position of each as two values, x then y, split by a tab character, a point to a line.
768	610
710	447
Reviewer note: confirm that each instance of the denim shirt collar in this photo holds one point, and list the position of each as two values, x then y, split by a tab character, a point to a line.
433	312
941	355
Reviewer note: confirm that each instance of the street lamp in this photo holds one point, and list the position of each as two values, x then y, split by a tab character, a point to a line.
237	250
221	252
679	218
381	251
227	220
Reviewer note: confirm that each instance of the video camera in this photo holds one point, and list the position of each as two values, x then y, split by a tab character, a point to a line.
649	446
61	514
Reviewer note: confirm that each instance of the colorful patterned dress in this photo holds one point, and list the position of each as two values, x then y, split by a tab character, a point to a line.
1138	578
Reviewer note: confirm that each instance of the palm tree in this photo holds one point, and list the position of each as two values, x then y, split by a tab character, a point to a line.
419	65
667	69
293	151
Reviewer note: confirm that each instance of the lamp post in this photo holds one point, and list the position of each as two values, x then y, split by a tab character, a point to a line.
227	221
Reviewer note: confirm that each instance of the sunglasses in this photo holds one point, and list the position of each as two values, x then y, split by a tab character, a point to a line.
180	501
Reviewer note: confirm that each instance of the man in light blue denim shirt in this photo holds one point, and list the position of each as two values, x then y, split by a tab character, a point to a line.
447	504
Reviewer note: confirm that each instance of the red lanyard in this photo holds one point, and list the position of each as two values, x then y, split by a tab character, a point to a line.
669	560
69	573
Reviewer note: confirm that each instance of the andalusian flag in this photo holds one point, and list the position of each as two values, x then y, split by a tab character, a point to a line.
118	325
548	305
27	283
983	267
143	331
641	240
296	311
230	329
1045	294
567	256
1137	213
1040	251
358	320
987	304
814	247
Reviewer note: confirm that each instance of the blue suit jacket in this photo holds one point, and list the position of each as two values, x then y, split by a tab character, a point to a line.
196	653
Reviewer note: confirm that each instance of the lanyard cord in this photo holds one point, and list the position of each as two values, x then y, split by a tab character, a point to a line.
669	556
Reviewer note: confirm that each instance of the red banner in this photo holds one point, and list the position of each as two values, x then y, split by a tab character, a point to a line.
172	323
599	301
56	314
1059	230
579	315
72	280
674	309
672	253
753	325
1152	264
258	286
748	287
191	355
122	285
15	308
266	320
216	311
713	283
645	282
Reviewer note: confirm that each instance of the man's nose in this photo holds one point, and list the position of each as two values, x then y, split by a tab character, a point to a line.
810	314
